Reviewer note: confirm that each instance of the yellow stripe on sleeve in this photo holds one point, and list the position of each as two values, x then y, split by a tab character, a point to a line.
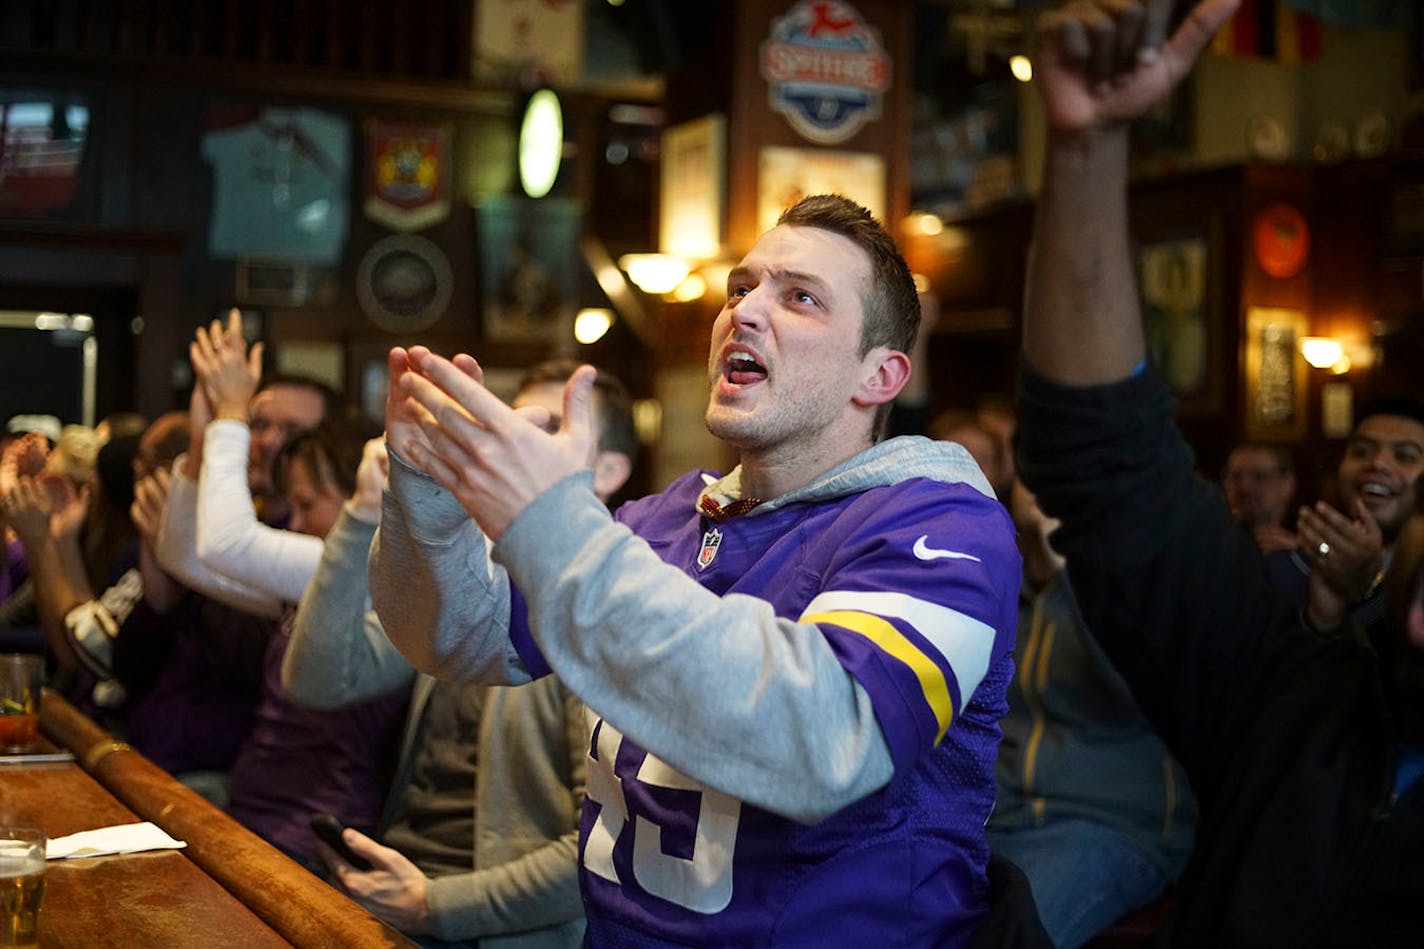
892	641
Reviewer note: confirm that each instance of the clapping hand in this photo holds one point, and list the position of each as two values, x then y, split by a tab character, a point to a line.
226	369
146	512
1345	552
27	509
67	506
23	457
493	459
371	478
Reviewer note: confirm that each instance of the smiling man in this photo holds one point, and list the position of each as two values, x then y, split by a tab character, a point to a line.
1341	555
1383	459
793	671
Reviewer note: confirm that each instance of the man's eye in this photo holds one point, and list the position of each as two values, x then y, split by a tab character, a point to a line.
739	291
801	296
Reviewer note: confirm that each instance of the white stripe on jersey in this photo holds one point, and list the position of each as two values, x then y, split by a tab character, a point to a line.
963	642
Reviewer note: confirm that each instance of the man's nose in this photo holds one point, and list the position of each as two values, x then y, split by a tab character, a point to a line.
1380	461
751	312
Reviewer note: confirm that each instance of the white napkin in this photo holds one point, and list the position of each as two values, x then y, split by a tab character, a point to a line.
123	838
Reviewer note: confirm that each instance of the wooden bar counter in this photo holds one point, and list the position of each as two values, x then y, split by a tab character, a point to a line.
226	888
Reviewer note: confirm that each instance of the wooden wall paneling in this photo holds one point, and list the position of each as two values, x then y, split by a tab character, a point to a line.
199	22
398	39
164	31
367	40
15	19
234	13
265	39
1205	206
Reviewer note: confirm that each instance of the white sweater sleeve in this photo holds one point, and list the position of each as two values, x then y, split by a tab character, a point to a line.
178	554
230	538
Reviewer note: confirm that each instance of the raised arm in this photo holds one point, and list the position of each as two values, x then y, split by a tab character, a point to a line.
441	599
1099	66
339	654
1168	584
32	508
230	539
177	550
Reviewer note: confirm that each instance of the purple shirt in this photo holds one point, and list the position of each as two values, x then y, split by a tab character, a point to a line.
17	568
914	585
298	760
196	713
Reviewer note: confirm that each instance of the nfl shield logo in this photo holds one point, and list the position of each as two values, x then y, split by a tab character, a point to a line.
710	542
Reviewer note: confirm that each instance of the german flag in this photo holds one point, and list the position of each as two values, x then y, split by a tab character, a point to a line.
1268	29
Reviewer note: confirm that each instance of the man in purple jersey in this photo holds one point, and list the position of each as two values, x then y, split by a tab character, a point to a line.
793	671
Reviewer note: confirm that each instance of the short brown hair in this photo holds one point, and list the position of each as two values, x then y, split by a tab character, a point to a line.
616	431
891	303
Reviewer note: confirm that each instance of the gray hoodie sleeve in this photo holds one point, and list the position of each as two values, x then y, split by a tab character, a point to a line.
662	659
444	604
338	654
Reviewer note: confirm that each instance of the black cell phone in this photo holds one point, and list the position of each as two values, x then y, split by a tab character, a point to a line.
329	829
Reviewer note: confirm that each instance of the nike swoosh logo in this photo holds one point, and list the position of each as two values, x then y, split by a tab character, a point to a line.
925	552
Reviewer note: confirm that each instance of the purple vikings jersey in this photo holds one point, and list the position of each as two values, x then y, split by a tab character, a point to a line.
914	585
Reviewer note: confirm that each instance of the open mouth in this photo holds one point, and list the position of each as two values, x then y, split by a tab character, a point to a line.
742	369
1375	495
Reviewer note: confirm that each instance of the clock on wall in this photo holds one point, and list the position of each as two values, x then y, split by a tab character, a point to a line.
404	283
541	143
1266	138
1281	238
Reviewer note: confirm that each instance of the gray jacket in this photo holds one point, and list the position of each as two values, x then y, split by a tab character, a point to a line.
446	604
1076	746
523	888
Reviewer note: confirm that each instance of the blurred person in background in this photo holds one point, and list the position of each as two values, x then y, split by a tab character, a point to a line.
1259	483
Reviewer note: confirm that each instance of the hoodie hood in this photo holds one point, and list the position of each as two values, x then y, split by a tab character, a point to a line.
888	462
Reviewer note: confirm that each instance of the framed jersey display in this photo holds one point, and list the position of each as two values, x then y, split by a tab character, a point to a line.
281	180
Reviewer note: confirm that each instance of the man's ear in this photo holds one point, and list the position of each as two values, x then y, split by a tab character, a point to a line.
610	471
886	372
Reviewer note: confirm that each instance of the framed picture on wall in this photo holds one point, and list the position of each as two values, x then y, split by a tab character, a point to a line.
786	175
691	220
1275	374
51	165
528	259
1181	318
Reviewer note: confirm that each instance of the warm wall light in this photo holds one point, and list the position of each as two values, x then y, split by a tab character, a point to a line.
591	323
1322	352
923	222
693	288
654	273
1021	67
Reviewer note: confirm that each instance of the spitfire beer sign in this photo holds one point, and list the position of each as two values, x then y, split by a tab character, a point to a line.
825	70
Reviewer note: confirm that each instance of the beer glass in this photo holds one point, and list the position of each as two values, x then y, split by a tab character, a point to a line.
21	678
22	866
